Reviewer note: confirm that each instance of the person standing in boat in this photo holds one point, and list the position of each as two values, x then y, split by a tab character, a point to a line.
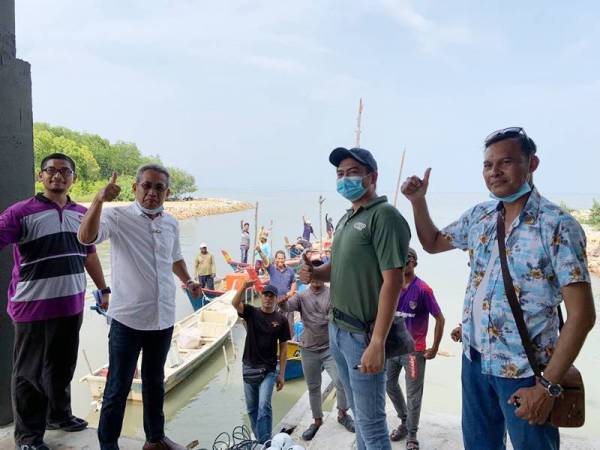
329	227
45	302
307	230
546	258
263	240
245	241
205	269
267	332
369	252
313	305
145	253
416	303
282	277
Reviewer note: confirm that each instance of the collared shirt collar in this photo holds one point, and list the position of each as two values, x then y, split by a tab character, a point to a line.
530	211
42	198
370	204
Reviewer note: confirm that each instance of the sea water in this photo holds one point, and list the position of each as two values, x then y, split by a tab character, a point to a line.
212	400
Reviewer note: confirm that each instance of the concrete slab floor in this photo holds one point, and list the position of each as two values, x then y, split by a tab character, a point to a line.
60	440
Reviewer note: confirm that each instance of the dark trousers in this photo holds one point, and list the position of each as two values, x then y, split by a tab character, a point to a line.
44	360
124	346
207	281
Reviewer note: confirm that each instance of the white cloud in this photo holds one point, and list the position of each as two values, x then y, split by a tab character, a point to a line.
431	36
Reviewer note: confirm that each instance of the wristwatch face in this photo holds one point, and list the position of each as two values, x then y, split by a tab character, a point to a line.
554	390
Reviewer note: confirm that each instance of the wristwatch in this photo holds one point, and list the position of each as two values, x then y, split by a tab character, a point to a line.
106	290
553	389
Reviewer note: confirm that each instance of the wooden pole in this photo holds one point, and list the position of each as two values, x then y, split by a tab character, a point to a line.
255	233
358	122
399	178
321	200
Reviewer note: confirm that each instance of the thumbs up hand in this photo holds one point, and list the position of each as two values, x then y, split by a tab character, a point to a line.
415	188
110	191
306	272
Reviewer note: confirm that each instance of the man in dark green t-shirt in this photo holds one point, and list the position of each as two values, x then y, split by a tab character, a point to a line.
368	255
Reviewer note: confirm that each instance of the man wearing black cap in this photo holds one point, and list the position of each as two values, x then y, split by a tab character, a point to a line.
368	255
265	328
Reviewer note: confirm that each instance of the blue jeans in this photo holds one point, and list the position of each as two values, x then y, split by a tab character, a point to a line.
365	392
258	403
486	413
124	345
244	253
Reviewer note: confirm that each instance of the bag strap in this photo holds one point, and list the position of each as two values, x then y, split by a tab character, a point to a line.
511	295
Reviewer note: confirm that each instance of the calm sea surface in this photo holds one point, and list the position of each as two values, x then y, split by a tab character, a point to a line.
212	401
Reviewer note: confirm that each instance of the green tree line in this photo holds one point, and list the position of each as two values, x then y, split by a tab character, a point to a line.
96	158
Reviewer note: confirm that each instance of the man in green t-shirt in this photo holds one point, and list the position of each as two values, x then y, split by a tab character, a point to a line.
368	255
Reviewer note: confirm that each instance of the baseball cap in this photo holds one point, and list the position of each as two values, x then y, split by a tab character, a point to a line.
270	288
203	245
359	154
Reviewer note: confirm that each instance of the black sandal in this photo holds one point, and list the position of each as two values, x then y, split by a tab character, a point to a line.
412	444
399	433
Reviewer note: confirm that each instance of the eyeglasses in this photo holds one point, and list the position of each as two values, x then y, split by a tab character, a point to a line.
504	133
160	188
64	172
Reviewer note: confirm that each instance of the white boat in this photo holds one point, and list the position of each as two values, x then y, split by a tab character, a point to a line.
195	338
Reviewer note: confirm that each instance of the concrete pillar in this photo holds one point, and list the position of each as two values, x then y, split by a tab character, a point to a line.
16	164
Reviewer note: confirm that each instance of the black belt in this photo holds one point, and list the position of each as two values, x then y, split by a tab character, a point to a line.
340	315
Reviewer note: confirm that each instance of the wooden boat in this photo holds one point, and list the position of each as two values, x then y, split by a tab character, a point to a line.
204	299
195	338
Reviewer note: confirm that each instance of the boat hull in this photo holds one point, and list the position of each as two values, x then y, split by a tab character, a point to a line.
213	323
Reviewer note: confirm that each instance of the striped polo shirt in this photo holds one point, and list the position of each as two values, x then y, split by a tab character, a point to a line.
48	278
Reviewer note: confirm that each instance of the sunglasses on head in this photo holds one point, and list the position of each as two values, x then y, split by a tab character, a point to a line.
505	133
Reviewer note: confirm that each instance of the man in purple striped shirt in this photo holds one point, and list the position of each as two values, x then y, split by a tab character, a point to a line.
46	298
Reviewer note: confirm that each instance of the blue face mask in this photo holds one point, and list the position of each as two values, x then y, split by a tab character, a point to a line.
524	189
351	188
150	211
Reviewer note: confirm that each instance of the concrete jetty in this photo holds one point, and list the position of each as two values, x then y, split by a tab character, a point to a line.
436	431
61	440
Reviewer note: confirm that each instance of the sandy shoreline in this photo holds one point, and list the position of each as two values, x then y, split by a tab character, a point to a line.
593	240
196	208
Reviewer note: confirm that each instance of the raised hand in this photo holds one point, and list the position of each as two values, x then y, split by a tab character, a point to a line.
306	272
415	188
110	191
248	284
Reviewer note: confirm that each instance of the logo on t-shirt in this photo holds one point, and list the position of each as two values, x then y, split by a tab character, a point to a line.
275	324
413	305
360	226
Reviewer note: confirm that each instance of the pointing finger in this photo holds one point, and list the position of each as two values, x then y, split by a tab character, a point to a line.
113	178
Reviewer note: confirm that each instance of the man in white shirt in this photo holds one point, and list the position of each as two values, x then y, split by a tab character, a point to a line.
145	252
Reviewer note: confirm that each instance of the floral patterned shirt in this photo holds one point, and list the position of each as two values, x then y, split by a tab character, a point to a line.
545	249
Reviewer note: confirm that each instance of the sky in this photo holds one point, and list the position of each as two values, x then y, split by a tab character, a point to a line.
255	94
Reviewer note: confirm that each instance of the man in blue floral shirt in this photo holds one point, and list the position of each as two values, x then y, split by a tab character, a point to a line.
545	249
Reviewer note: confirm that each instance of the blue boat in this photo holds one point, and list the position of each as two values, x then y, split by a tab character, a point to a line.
293	367
204	299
